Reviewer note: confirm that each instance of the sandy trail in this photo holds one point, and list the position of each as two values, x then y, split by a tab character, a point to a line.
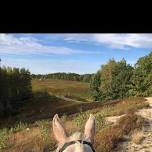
68	99
146	144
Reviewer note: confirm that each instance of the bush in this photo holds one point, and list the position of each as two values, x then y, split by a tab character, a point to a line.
131	122
107	139
40	96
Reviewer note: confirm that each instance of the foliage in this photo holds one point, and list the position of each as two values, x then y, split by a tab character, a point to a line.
64	76
94	86
15	89
142	77
115	78
118	80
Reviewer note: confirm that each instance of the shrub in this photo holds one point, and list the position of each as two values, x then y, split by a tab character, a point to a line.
137	137
131	122
107	138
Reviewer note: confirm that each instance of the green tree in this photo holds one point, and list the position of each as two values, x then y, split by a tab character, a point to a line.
94	86
112	81
15	87
142	76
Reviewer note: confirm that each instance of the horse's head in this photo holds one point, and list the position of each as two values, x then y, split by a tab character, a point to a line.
75	142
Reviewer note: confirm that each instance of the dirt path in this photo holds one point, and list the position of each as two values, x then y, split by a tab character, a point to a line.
68	99
146	144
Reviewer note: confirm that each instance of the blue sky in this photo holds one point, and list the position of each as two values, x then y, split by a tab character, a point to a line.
78	53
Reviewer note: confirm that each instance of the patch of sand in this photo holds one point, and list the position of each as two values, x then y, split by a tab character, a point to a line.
146	144
114	119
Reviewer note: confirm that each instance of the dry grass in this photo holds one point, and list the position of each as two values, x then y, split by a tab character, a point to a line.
108	138
40	136
137	137
62	87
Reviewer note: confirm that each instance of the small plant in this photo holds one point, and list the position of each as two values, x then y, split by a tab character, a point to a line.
43	123
18	127
106	111
64	117
81	119
100	121
3	138
45	133
44	126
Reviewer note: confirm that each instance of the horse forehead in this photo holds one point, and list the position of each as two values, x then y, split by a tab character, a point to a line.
78	148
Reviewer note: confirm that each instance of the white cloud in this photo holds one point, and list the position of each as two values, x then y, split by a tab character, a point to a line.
121	41
22	45
30	45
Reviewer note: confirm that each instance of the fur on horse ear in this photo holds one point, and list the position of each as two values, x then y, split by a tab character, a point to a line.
89	131
58	130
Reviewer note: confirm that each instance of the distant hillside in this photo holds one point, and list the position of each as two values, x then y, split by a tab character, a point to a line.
64	76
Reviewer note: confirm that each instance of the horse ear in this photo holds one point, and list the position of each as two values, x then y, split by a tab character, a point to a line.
58	130
89	131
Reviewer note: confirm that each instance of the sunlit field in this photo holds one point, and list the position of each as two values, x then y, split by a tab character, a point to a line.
62	87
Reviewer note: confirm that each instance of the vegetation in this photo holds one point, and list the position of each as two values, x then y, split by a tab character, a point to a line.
79	90
142	77
64	76
115	80
15	89
39	136
108	138
118	80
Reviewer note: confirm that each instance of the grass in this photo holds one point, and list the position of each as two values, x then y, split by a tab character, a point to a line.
74	115
40	137
62	87
6	132
3	138
120	107
81	119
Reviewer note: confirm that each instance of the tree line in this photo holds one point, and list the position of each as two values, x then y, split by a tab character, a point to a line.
114	80
117	79
15	89
64	76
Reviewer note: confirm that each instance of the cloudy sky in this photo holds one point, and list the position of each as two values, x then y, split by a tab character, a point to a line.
79	53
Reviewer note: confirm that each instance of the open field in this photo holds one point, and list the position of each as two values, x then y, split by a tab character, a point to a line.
75	89
39	135
31	129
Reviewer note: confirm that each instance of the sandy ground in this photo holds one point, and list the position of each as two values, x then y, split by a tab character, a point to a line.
146	144
114	119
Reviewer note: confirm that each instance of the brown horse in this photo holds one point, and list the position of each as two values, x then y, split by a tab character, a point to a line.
75	142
